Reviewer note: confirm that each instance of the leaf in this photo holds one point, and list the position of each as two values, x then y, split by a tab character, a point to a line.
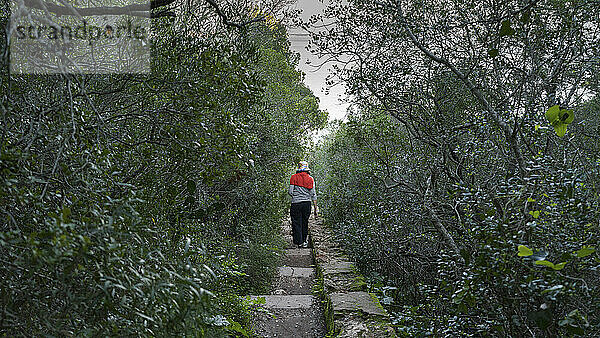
552	113
66	215
524	251
144	316
191	186
585	251
493	52
560	129
559	266
545	263
506	29
535	213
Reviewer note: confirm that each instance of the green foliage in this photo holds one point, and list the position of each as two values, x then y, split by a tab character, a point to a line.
506	29
528	245
469	208
148	205
524	251
560	118
585	251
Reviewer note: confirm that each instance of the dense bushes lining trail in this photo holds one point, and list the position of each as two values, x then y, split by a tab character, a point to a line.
466	181
147	205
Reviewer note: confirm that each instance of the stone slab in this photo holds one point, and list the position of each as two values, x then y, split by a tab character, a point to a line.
288	271
338	267
290	323
297	252
286	301
298	257
352	326
353	301
292	286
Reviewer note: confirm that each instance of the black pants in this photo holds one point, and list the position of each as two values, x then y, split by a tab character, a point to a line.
300	212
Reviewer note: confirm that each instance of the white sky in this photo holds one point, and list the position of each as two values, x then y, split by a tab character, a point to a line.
315	79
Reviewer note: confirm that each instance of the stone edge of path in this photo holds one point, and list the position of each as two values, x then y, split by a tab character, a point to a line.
349	310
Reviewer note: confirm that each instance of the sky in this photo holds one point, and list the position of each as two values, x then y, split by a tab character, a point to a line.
315	79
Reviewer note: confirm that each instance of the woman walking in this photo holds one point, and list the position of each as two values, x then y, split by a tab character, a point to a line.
302	190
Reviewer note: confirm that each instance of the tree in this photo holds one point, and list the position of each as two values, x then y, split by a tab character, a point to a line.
470	85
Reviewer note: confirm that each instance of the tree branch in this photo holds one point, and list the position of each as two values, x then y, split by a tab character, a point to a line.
508	132
438	223
226	21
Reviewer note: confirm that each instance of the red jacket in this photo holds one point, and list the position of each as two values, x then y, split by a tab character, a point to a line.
302	179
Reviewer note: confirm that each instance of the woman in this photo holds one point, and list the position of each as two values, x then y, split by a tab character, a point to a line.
302	190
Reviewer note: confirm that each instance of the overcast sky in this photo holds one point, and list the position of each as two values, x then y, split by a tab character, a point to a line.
315	80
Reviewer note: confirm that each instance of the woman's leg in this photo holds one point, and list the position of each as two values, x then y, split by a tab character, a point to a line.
297	221
305	217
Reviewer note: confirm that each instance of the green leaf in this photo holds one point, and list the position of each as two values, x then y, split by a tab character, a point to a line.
191	186
585	251
493	52
535	213
552	113
524	251
506	29
66	215
559	266
545	263
560	129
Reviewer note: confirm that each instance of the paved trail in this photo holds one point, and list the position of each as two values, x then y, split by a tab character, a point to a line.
291	310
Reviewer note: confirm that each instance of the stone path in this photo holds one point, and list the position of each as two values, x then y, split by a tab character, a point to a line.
291	310
350	311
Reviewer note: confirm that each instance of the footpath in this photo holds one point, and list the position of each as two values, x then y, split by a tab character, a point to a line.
291	310
319	293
